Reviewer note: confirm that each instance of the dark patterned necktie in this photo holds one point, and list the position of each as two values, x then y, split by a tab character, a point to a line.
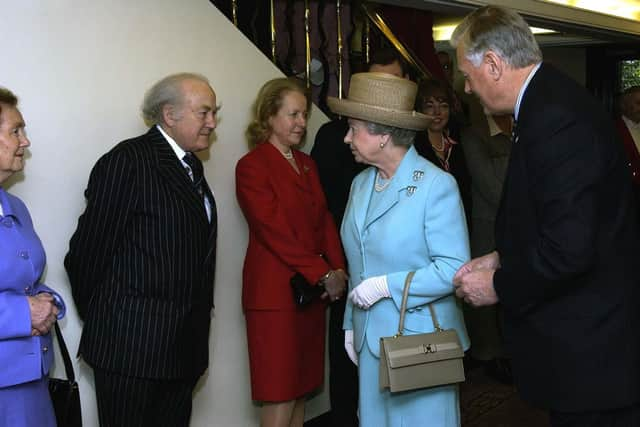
197	171
514	131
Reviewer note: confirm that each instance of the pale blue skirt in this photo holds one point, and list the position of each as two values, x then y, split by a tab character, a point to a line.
432	407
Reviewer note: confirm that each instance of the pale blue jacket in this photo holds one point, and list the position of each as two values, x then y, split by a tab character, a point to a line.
420	225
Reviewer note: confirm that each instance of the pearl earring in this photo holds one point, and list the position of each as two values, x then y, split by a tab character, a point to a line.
382	144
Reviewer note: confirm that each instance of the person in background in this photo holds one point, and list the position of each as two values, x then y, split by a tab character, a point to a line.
447	65
141	262
440	143
337	168
404	214
459	111
290	231
28	307
565	264
487	156
629	127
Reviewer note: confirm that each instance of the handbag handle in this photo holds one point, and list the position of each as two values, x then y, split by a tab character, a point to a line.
403	306
68	367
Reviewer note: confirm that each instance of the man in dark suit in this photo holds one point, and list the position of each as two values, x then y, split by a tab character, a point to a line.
564	268
337	168
142	260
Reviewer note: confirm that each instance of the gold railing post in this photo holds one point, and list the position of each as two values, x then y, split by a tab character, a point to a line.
234	12
307	28
367	41
339	30
272	21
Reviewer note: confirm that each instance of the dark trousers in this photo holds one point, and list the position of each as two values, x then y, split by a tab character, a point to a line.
622	417
125	401
343	374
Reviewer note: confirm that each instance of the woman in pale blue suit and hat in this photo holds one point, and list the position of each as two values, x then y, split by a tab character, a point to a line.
404	214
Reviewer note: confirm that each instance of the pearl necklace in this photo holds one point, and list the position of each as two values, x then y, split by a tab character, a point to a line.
288	155
441	149
379	187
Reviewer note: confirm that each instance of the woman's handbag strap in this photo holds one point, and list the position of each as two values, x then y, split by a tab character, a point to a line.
403	306
68	367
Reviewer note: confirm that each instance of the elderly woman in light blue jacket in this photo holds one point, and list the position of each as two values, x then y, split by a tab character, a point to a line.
404	214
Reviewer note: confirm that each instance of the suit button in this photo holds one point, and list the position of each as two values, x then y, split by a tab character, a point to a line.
23	254
27	290
45	349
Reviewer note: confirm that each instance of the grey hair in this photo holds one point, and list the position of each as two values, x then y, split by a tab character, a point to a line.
399	137
7	98
166	91
501	30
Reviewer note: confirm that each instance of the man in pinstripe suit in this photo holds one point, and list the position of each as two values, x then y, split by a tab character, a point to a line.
141	262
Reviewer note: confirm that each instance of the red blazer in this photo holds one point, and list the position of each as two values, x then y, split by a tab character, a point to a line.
289	226
631	149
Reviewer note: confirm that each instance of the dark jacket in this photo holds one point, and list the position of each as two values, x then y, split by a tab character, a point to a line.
568	246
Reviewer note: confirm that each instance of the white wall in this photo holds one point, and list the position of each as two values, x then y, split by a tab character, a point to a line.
80	69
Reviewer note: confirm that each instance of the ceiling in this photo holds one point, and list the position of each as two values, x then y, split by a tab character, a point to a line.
571	22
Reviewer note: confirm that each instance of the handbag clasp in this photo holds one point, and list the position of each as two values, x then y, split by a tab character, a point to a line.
429	348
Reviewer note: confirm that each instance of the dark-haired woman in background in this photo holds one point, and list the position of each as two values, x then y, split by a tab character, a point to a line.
440	143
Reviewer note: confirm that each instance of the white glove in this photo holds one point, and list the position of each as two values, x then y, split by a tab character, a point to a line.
349	347
370	291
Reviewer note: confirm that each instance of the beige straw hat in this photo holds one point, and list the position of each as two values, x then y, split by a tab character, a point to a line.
381	98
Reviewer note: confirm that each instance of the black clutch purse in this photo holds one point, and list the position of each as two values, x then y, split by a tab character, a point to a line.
64	393
303	291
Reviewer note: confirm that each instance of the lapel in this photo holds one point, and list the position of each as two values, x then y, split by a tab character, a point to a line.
282	167
402	182
627	140
533	102
175	174
361	195
213	224
7	207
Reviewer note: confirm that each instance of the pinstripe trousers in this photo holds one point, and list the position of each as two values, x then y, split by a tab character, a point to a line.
125	401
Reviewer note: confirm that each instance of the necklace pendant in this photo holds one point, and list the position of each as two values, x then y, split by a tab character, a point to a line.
378	186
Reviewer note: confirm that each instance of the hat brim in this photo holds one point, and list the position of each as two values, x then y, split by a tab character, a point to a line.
401	119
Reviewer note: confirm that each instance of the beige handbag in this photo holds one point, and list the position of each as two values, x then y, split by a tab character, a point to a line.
409	362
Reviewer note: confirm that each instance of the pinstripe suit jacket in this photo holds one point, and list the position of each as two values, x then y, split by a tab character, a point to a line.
141	264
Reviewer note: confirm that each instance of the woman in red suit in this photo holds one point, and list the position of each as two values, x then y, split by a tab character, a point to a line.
290	231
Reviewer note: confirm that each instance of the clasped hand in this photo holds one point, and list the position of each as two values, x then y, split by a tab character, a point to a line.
474	280
44	313
335	285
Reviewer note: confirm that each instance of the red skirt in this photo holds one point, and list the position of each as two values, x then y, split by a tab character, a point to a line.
286	352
